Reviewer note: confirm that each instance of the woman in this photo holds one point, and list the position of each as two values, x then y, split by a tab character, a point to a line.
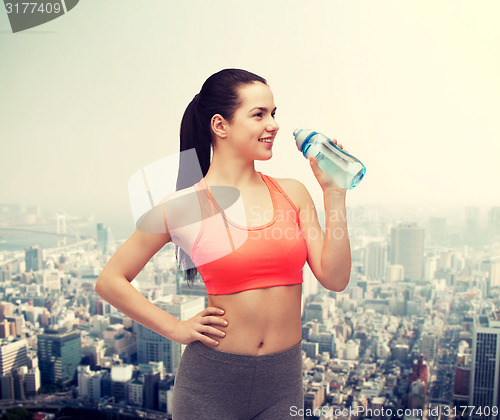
243	358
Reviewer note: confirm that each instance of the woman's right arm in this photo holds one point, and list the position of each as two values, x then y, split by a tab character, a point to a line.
113	285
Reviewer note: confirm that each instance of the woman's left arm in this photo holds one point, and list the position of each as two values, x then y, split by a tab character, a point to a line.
329	252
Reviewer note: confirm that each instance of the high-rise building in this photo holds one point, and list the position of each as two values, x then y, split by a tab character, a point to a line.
7	387
121	378
420	372
19	386
165	394
51	280
494	223
33	257
13	355
472	232
5	274
407	249
491	267
151	380
428	344
32	381
376	260
394	272
136	393
462	374
89	383
315	310
6	309
485	369
59	354
104	238
152	347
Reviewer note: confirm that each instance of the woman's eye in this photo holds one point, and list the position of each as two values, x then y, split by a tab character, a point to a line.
258	115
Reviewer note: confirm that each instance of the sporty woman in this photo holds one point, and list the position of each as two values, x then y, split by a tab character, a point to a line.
243	357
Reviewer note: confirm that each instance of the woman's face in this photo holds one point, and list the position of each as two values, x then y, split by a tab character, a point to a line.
253	128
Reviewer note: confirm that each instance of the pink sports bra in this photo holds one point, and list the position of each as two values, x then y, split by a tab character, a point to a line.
232	258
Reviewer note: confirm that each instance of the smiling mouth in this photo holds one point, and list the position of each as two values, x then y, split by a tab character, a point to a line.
266	140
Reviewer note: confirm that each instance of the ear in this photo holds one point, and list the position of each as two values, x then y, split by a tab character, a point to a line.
218	124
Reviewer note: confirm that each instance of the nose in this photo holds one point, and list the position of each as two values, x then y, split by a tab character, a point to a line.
273	126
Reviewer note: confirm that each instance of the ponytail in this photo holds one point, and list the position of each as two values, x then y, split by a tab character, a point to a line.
194	135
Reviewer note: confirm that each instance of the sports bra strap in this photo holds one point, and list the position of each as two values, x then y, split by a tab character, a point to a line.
282	192
204	200
205	197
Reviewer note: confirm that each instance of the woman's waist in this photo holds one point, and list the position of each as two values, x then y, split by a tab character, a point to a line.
260	321
244	338
263	304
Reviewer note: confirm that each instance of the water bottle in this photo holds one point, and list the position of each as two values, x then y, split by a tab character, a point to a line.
343	168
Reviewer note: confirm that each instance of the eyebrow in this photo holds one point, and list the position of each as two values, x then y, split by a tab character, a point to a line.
262	108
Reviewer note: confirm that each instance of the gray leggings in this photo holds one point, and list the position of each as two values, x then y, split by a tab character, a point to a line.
216	385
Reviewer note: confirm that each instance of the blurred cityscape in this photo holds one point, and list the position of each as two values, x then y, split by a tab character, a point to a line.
416	334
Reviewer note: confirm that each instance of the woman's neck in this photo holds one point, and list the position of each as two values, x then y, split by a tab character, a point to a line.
231	171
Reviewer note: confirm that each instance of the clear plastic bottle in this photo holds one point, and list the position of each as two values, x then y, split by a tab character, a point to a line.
343	168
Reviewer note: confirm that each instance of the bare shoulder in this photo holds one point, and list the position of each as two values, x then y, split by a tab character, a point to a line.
295	189
180	208
180	196
181	204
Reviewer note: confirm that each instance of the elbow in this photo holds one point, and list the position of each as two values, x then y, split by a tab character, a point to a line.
336	283
336	275
341	284
99	289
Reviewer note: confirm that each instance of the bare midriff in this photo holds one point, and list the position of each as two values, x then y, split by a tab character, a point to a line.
260	321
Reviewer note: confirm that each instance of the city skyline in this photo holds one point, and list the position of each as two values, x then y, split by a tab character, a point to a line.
395	339
401	336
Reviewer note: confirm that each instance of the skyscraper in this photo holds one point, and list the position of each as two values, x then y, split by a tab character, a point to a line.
485	371
13	355
33	257
376	260
59	354
472	233
494	223
407	249
104	238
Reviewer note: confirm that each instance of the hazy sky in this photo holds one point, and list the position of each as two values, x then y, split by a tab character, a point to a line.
410	88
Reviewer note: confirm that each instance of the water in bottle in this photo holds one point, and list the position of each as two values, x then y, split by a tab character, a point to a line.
346	170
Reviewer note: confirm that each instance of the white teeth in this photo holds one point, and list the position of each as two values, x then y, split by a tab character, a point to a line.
266	140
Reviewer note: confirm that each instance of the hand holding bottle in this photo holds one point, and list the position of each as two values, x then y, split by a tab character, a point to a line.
325	181
345	170
323	178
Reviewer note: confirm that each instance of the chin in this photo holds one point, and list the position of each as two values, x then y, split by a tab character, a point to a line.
264	157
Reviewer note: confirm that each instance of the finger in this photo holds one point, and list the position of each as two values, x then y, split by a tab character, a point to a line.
209	310
313	161
206	329
214	320
207	340
314	166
